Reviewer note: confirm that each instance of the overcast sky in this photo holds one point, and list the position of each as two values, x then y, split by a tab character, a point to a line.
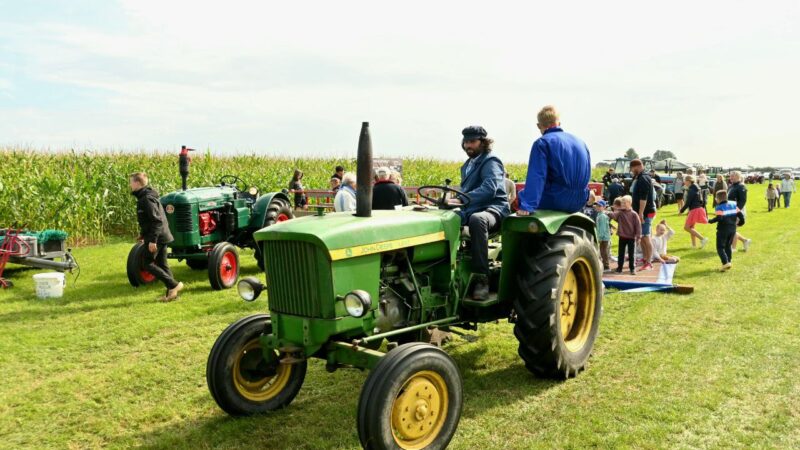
713	81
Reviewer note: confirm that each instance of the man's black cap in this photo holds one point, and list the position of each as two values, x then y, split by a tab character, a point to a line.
474	132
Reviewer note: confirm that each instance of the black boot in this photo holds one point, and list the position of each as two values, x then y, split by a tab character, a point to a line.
481	289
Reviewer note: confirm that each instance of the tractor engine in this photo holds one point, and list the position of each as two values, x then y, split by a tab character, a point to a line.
397	297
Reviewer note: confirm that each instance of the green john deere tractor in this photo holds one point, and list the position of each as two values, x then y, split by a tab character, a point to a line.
209	223
341	285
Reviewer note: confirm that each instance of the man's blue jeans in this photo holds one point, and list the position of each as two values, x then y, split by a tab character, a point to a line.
787	197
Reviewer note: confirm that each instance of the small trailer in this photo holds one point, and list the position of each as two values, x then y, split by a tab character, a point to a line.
44	250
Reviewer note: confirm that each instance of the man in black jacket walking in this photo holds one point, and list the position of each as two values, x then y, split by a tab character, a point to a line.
154	233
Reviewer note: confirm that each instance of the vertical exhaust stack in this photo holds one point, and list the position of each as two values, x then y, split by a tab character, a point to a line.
364	173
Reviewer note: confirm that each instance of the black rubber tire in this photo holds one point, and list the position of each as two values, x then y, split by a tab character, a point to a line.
220	365
215	276
197	264
541	280
384	384
276	207
135	265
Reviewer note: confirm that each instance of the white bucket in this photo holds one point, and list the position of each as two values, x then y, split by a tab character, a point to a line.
49	285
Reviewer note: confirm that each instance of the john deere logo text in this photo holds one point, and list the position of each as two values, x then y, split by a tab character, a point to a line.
385	246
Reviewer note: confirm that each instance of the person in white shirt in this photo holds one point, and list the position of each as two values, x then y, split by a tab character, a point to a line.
663	234
787	187
345	199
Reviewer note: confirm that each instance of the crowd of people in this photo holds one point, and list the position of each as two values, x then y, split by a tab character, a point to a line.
634	214
387	191
558	173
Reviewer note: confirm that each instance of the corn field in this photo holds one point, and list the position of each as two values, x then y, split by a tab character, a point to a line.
86	193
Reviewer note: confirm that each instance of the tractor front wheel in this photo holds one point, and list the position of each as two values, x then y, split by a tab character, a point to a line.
243	378
138	275
223	266
559	304
411	400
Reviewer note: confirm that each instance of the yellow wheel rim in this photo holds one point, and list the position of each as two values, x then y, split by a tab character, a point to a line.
419	410
249	378
577	300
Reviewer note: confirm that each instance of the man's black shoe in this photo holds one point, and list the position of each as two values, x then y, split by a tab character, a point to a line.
481	290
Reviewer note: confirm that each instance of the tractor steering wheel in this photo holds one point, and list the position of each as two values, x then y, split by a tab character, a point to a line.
441	202
233	180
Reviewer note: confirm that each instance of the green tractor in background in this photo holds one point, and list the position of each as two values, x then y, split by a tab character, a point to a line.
209	224
341	285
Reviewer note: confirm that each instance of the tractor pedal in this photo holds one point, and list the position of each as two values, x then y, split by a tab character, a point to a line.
492	300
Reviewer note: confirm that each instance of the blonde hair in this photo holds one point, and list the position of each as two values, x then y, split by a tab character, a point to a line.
548	116
627	199
737	174
396	178
139	177
689	178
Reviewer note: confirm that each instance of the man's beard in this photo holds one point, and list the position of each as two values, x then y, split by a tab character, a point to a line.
473	152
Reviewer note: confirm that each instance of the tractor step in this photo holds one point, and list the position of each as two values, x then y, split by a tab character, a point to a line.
492	300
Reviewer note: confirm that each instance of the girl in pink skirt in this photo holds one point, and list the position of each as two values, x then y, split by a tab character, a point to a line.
693	201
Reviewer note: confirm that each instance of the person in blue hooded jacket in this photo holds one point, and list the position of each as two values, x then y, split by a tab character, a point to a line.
482	179
559	169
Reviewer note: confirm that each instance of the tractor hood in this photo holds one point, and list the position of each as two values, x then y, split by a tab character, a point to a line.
344	235
207	197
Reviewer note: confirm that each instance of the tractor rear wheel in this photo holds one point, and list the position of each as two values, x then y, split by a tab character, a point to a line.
223	266
197	264
560	302
279	210
411	400
242	379
138	275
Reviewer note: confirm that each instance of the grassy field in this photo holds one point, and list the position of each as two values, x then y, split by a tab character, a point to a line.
107	366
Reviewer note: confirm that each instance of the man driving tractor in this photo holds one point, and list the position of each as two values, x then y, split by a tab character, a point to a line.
482	180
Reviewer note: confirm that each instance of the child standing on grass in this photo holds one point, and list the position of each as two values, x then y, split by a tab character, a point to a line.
771	196
603	233
629	231
727	216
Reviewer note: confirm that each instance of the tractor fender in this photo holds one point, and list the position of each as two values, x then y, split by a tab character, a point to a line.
549	222
260	208
517	230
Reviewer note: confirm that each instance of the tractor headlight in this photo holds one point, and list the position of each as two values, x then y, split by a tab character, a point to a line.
249	288
253	191
357	303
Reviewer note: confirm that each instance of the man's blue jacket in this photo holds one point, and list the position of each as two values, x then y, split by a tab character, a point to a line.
484	185
559	170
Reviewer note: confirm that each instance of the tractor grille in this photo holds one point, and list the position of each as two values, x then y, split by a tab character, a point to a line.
183	218
293	276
